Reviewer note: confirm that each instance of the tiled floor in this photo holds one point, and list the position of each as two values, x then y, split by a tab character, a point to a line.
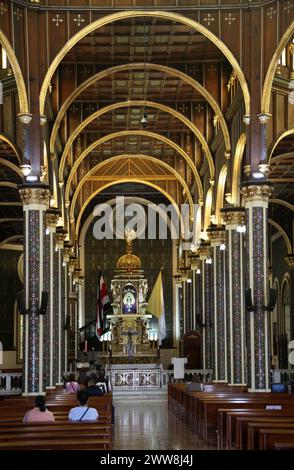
147	425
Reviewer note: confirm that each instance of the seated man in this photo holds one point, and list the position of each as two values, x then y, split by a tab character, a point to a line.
195	385
83	412
92	389
103	383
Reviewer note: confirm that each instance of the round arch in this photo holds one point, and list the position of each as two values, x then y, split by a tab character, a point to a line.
6	139
162	68
237	169
268	82
20	83
11	166
283	233
282	135
152	135
144	13
131	103
123	180
125	157
220	193
207	210
281	202
111	202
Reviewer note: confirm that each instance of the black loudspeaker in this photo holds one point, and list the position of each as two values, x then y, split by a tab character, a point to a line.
21	303
273	295
248	301
44	303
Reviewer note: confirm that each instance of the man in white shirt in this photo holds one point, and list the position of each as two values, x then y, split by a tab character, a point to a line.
83	412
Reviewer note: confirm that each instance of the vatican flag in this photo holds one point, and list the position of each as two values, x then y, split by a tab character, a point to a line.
156	307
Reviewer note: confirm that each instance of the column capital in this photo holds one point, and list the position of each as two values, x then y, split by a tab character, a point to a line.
204	250
52	217
233	216
216	234
60	237
25	118
257	192
67	251
178	279
290	261
194	258
35	195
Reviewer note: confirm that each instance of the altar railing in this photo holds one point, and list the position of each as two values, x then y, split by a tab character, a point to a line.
10	383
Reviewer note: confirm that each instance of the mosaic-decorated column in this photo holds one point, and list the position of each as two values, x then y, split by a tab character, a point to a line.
35	202
207	306
59	304
234	219
196	291
217	238
51	222
256	198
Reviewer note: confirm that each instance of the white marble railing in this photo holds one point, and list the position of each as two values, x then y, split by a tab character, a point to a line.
10	383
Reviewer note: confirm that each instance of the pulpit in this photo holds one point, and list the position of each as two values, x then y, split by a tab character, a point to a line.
129	323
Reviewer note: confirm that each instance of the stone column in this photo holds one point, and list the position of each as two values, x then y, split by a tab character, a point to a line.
217	238
256	198
51	222
234	219
196	293
290	261
207	306
35	202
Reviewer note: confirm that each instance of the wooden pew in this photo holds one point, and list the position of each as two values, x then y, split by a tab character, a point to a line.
254	429
269	438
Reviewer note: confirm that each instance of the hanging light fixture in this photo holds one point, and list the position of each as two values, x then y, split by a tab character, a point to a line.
26	168
144	119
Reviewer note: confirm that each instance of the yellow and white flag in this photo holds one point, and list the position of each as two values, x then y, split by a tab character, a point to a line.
156	307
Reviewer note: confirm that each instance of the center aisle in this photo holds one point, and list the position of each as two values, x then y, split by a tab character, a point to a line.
147	425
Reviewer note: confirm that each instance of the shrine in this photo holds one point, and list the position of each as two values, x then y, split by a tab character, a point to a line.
129	325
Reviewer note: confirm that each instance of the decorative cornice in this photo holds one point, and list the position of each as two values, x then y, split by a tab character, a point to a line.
233	216
255	192
290	261
39	195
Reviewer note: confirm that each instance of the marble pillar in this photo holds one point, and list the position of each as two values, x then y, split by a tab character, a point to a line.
217	238
35	202
255	197
234	219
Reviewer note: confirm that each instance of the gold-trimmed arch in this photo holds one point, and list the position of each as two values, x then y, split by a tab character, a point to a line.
152	135
135	66
144	13
282	135
220	193
20	83
113	183
283	233
207	210
237	166
269	78
5	139
130	103
8	184
281	202
125	157
11	166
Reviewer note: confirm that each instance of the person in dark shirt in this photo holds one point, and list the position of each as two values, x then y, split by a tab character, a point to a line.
93	390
